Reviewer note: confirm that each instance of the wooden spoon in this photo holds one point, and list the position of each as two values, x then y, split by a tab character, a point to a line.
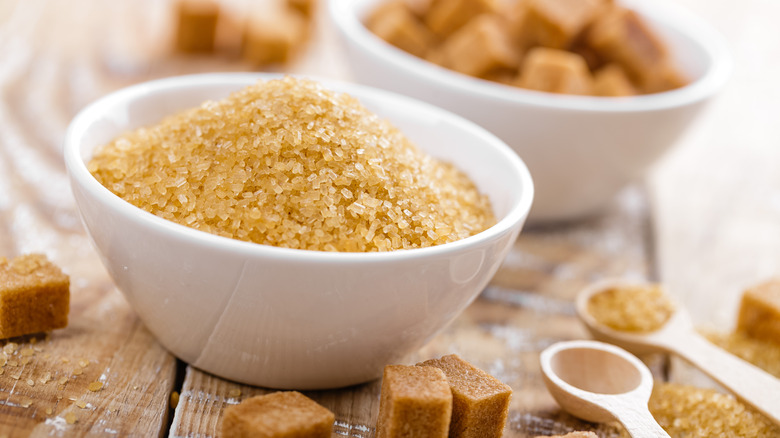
749	383
601	382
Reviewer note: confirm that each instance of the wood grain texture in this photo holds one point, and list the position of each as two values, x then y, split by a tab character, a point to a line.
45	385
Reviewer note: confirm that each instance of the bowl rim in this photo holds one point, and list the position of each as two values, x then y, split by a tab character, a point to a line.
698	31
95	111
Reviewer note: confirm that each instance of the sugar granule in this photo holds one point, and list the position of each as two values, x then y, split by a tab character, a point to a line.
761	353
641	308
289	163
690	412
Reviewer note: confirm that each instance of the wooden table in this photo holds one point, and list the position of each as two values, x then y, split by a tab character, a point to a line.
706	222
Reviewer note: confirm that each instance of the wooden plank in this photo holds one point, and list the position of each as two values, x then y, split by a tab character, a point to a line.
527	307
45	386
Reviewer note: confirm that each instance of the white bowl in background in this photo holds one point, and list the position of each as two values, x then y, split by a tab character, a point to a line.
581	150
287	318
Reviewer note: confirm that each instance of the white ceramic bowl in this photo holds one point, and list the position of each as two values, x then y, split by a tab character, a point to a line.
581	150
288	318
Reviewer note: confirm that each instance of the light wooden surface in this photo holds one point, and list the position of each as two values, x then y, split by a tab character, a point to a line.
706	222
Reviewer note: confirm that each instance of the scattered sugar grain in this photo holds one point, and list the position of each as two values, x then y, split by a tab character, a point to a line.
270	164
48	411
63	380
27	352
81	404
25	360
46	378
635	308
13	363
83	363
95	386
761	353
687	411
234	393
10	348
30	382
3	360
71	418
27	403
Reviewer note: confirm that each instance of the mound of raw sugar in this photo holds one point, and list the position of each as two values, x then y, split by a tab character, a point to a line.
289	163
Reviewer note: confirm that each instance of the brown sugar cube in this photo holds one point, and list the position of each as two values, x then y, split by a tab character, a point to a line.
664	78
277	415
446	16
272	35
305	7
592	57
502	76
514	14
759	312
611	81
438	57
34	296
556	23
479	401
577	434
555	71
415	402
622	36
480	46
419	7
196	25
395	23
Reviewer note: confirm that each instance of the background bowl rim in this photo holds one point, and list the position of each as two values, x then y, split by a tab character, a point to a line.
94	112
702	34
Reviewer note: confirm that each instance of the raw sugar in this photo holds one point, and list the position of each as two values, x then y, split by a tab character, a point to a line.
415	402
640	308
34	296
289	163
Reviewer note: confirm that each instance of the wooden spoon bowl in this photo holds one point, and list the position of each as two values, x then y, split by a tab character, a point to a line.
749	383
600	382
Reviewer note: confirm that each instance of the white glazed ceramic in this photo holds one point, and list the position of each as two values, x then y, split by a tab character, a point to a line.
287	318
581	150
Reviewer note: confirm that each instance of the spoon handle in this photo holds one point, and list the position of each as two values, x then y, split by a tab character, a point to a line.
749	383
639	423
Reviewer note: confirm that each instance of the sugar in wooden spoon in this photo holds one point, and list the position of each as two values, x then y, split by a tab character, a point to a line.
677	335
